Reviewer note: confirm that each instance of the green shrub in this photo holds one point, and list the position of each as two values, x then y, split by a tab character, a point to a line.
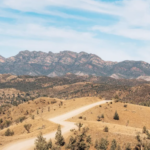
27	127
9	133
106	129
103	145
53	101
40	143
125	105
98	118
79	140
113	145
144	129
79	125
80	117
21	119
102	116
59	138
116	116
1	121
7	123
32	117
138	138
128	147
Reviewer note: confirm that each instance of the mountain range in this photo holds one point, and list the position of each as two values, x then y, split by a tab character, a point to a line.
58	64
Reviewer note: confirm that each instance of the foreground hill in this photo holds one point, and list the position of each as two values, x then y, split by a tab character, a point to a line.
58	64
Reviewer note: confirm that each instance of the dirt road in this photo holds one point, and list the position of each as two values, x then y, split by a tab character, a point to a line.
67	126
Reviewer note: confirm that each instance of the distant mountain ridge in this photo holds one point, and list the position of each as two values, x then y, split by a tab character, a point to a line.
58	64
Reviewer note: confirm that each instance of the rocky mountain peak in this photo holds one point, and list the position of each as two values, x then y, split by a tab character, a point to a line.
58	64
2	59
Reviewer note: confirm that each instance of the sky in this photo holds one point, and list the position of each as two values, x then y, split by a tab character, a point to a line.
115	30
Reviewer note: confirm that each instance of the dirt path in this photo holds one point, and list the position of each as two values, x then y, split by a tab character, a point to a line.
67	126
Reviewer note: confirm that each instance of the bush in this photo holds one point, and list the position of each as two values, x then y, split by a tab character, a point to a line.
106	129
41	144
103	145
79	125
98	118
148	135
102	116
59	138
80	140
21	119
138	138
113	145
116	97
116	116
27	127
80	117
144	129
53	101
37	112
7	123
9	133
1	121
125	105
128	147
32	117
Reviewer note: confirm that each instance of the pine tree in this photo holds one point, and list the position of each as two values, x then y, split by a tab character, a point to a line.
49	144
96	145
103	144
59	138
41	143
116	116
113	145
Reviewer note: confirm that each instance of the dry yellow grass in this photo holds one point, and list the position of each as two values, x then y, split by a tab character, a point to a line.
132	115
132	119
41	118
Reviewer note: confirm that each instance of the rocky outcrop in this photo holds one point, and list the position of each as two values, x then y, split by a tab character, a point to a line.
58	64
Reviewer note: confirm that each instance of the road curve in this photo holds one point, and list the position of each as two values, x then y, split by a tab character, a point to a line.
67	126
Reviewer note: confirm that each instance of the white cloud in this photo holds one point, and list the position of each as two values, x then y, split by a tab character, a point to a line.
133	22
42	6
36	37
133	16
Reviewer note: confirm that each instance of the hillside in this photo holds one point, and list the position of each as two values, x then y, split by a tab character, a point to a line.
58	64
15	90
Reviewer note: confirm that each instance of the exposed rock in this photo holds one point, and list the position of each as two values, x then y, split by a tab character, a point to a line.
58	64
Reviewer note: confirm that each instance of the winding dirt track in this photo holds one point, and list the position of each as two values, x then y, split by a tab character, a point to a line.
67	126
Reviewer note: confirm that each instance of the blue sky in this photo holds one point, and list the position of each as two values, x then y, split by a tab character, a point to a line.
115	30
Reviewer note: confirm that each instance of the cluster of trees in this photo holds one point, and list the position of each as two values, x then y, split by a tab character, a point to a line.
42	144
80	140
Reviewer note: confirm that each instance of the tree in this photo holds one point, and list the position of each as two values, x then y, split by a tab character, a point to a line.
144	129
128	147
80	140
116	116
27	127
103	144
59	138
113	145
106	129
48	108
40	143
9	133
79	125
49	144
96	145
